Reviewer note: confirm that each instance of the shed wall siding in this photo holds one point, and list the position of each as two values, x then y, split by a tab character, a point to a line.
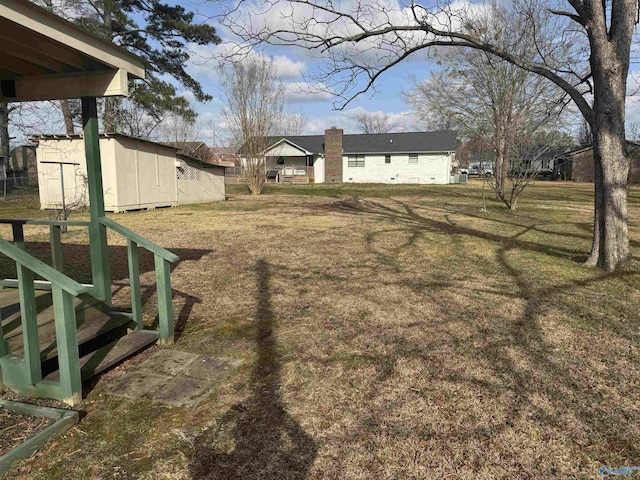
135	175
146	176
430	169
76	193
199	185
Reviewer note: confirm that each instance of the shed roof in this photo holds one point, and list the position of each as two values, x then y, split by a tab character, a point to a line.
77	136
40	51
407	142
180	153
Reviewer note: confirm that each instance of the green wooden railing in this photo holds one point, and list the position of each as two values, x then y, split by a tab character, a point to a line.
24	372
162	259
55	236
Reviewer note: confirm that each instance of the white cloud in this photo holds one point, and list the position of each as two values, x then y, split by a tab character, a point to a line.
287	68
302	92
347	120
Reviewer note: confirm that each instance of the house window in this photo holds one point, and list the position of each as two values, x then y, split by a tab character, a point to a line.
280	161
356	161
413	158
387	159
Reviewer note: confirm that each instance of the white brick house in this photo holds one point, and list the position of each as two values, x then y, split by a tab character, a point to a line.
412	157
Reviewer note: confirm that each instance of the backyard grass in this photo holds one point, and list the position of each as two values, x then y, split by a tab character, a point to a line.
389	332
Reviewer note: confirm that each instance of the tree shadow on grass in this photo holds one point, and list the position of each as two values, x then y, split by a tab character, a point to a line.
406	216
527	364
257	438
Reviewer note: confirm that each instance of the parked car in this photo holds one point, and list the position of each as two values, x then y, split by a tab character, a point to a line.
479	170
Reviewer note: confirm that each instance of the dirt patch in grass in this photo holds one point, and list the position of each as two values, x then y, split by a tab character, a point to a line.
16	428
384	333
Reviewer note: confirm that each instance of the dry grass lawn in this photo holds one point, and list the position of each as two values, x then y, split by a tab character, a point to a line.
386	333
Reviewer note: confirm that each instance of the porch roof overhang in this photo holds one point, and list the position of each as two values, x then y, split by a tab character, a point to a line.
44	57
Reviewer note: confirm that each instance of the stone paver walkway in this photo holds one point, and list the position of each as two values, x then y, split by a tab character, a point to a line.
173	377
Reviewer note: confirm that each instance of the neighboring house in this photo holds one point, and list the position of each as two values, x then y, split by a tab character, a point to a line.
136	174
541	160
544	159
582	168
226	156
412	157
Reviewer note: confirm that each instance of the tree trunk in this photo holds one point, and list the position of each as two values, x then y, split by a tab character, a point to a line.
68	117
4	130
499	148
610	247
609	66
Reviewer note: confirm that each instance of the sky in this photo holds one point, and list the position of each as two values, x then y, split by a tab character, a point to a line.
321	110
294	66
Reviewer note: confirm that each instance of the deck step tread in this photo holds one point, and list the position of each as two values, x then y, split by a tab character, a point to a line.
111	354
94	324
11	317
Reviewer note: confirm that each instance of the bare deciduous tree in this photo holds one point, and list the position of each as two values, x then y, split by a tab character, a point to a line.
633	131
293	123
485	96
5	111
361	40
253	112
376	122
176	128
527	162
585	135
133	119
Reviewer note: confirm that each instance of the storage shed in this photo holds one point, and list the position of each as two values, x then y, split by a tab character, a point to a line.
136	174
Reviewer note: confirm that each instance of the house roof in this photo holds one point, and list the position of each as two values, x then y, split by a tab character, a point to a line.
45	57
408	142
226	156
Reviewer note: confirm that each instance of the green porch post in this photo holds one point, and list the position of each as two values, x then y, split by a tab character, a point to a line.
97	232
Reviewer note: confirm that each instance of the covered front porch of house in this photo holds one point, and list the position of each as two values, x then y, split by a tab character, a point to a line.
292	169
291	163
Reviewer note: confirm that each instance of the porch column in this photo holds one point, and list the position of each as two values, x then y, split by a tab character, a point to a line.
97	232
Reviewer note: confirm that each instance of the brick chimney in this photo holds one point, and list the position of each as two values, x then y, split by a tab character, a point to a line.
333	155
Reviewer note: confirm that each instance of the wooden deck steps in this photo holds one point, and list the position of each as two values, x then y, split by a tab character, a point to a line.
103	338
111	354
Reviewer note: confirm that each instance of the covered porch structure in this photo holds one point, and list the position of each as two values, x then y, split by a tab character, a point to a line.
56	332
291	163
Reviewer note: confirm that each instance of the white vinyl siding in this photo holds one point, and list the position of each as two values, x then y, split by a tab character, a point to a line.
430	168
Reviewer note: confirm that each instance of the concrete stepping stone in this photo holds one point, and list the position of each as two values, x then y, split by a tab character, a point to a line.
173	377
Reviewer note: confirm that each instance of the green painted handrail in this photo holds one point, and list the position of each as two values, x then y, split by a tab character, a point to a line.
70	223
42	269
141	241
